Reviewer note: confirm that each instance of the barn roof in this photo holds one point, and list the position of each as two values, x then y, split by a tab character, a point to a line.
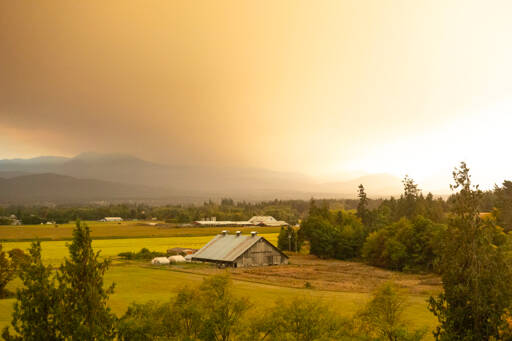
227	248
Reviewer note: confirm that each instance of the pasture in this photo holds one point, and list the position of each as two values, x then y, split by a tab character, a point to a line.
344	285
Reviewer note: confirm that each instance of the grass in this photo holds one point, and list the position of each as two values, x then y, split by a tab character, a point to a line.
112	230
140	283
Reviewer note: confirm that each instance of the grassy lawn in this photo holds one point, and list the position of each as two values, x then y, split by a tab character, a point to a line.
112	230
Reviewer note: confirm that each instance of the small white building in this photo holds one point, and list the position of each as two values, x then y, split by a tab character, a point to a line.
254	221
261	220
112	219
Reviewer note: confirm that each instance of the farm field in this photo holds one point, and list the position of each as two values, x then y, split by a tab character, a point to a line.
111	230
344	285
55	251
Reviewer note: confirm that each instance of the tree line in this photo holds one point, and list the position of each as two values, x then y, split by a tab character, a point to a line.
227	209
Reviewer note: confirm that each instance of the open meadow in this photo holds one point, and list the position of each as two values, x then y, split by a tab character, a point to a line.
345	285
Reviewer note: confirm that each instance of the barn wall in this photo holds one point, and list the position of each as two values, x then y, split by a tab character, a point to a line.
259	254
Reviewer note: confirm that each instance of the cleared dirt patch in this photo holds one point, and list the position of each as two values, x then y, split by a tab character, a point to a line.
334	275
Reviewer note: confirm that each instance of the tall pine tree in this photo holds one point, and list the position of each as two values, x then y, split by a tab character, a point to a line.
84	297
476	277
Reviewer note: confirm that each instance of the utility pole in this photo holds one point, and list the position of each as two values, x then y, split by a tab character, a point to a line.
289	241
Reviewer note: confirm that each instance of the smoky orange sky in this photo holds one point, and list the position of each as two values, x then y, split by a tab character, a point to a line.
318	87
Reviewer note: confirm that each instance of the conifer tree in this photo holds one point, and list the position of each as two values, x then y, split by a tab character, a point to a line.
362	206
86	314
476	276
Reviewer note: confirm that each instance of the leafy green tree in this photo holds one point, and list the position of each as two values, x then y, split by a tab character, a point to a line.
84	298
187	313
405	245
148	321
475	273
19	259
321	235
333	234
300	319
288	239
37	313
222	311
7	272
383	315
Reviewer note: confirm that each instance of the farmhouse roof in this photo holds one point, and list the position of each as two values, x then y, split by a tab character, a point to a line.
266	220
227	248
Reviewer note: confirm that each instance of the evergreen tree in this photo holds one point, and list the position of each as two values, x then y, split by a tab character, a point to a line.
86	315
362	207
409	200
476	277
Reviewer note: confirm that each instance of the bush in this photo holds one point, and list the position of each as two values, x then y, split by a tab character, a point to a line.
207	312
143	254
383	316
300	319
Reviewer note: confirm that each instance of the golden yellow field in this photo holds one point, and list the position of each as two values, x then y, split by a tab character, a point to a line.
110	230
55	251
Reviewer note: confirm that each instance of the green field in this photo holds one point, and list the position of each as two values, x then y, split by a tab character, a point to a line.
135	282
140	282
110	230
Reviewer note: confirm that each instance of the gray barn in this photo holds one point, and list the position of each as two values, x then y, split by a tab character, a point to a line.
240	250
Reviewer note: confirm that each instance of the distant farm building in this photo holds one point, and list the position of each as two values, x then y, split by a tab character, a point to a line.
240	251
111	219
254	221
181	251
266	221
11	220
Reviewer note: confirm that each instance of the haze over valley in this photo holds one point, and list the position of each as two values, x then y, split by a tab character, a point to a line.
96	177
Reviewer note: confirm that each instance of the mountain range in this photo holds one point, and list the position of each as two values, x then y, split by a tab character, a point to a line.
95	176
